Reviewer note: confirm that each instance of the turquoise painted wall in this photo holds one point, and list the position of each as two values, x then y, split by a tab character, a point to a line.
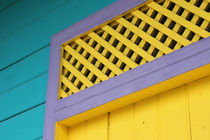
26	27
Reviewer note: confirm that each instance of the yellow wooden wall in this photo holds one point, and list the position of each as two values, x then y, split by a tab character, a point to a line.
182	113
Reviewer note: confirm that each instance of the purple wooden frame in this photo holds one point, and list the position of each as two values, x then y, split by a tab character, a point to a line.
186	59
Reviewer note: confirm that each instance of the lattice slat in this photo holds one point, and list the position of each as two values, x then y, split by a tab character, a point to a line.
147	32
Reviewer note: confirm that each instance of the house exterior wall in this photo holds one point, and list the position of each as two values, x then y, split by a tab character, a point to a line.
26	28
79	109
180	113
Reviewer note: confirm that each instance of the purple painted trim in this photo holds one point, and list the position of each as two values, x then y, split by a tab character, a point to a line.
80	27
98	18
52	91
154	72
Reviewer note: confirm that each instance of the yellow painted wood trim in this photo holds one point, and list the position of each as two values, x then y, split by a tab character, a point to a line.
145	36
128	43
61	132
84	79
163	28
139	95
100	57
179	19
113	50
89	65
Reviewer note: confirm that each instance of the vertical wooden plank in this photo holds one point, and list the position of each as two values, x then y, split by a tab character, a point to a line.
96	129
199	99
145	121
180	113
77	132
121	124
93	129
173	115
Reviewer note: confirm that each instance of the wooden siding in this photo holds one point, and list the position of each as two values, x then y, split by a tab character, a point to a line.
26	28
180	113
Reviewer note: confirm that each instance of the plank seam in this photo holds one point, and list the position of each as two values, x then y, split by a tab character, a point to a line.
30	54
1	121
38	138
33	21
22	83
8	6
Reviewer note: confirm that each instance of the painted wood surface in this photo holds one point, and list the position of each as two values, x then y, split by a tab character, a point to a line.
180	113
23	18
44	27
26	126
127	41
26	30
4	4
23	97
25	70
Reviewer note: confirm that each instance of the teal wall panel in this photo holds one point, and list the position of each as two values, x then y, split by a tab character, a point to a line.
39	33
4	4
23	71
26	28
23	97
26	126
24	14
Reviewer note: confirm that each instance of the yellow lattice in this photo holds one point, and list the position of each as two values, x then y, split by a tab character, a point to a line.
144	34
